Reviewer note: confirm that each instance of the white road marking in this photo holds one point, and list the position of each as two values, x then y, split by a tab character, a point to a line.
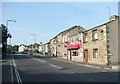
34	58
79	64
39	60
61	60
72	72
54	58
69	62
17	73
75	63
55	66
43	61
88	65
11	69
104	71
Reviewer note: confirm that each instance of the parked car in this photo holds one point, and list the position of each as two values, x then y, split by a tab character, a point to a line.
29	53
24	52
13	52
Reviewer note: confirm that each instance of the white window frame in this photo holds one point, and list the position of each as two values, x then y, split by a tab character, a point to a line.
95	55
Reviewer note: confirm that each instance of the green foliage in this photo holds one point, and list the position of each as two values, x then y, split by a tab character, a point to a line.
15	48
5	36
36	51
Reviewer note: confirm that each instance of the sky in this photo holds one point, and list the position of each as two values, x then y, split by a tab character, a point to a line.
47	19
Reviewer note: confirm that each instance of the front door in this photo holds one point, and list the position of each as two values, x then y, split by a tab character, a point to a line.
86	56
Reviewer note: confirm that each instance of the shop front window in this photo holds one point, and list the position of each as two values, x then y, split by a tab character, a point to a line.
75	53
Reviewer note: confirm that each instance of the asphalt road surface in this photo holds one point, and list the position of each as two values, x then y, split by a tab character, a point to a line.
25	68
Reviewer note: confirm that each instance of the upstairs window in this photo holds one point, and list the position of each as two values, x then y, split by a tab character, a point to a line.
62	40
85	37
94	35
65	37
95	53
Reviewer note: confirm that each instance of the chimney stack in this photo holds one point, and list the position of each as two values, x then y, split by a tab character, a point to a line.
113	17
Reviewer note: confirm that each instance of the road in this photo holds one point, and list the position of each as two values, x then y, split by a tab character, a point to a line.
25	68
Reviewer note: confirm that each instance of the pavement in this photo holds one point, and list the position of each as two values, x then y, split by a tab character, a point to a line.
112	68
6	70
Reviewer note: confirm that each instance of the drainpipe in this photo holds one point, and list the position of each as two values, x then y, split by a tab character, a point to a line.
56	49
81	34
109	60
108	54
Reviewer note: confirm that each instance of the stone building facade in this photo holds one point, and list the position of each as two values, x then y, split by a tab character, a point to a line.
98	45
101	43
95	45
75	46
59	44
53	47
46	49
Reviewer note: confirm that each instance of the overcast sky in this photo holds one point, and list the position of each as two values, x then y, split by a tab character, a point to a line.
47	19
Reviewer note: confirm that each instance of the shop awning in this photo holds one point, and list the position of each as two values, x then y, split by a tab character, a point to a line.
74	46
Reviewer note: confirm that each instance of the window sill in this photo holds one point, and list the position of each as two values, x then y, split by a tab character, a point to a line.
94	39
85	42
95	57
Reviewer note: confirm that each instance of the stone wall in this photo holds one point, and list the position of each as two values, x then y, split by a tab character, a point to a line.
100	44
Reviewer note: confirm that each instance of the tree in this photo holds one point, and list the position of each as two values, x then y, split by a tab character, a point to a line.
36	51
5	36
4	39
15	48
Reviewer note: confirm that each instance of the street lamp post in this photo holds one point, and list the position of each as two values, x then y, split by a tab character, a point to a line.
109	11
35	39
7	27
9	21
34	36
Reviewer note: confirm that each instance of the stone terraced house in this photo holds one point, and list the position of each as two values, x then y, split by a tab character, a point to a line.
98	45
101	43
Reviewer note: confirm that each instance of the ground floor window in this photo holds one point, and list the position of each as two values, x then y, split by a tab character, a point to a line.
95	53
75	53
